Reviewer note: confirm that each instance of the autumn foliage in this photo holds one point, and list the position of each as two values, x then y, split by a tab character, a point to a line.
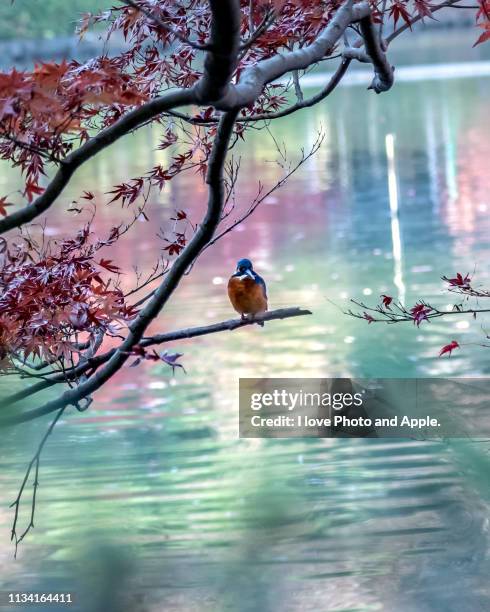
56	293
53	294
54	297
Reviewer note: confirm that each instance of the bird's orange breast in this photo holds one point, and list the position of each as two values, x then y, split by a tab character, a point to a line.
246	296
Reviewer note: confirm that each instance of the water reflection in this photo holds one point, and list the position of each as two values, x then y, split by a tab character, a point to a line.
151	490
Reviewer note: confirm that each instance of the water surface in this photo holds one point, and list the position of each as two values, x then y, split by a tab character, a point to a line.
149	501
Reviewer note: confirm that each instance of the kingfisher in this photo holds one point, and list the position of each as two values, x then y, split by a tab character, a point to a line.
247	290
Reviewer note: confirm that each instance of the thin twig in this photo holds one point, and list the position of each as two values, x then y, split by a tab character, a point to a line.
16	504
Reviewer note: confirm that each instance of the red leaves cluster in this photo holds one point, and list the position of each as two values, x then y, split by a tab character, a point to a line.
419	313
128	192
41	111
49	295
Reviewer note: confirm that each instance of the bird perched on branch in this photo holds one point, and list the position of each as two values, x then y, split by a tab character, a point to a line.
247	290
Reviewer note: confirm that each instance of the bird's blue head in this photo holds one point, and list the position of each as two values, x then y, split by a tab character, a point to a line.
244	268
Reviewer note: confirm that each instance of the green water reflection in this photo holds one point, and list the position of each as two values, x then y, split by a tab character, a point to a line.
149	502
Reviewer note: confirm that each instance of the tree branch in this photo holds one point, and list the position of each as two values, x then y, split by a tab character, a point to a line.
103	139
306	103
214	88
383	71
203	234
220	63
173	336
254	78
16	504
230	325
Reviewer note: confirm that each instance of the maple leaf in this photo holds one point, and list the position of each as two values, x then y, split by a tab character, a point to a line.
170	139
109	266
459	281
174	248
397	10
32	189
3	206
449	348
419	313
368	317
423	9
83	25
485	34
180	215
47	76
387	299
171	360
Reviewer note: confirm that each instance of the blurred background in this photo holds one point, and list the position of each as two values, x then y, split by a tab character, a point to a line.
148	501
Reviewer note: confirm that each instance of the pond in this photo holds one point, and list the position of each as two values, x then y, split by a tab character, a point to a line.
149	501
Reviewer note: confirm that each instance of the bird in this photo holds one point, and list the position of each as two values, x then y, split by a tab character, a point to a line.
247	290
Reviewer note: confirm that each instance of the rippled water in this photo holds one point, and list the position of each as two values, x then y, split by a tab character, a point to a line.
149	501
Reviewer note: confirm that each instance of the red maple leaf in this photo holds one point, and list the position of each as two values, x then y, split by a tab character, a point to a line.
419	313
386	300
3	206
174	248
108	265
368	317
459	280
485	35
449	348
32	189
180	215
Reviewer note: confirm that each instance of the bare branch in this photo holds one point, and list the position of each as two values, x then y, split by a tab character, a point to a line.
297	87
230	325
402	314
261	196
16	504
383	71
